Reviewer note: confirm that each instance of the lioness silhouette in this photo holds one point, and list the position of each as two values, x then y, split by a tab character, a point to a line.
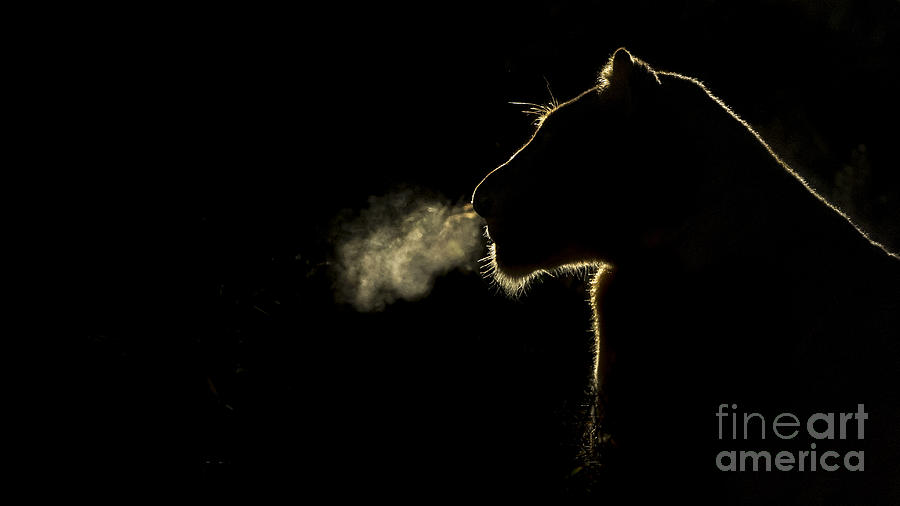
722	278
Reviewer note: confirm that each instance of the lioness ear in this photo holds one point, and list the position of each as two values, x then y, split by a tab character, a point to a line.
618	71
621	66
624	73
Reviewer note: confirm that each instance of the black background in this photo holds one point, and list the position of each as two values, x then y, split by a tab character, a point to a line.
201	156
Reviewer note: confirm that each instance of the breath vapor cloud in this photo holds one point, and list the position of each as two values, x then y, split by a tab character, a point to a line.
397	246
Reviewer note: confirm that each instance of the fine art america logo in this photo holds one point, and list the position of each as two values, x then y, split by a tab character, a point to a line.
823	427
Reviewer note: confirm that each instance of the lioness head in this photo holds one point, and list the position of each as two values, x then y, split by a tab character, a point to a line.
594	164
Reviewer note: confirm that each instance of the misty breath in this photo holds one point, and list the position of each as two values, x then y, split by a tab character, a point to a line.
397	246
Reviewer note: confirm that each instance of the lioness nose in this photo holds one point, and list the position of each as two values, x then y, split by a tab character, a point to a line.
482	202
